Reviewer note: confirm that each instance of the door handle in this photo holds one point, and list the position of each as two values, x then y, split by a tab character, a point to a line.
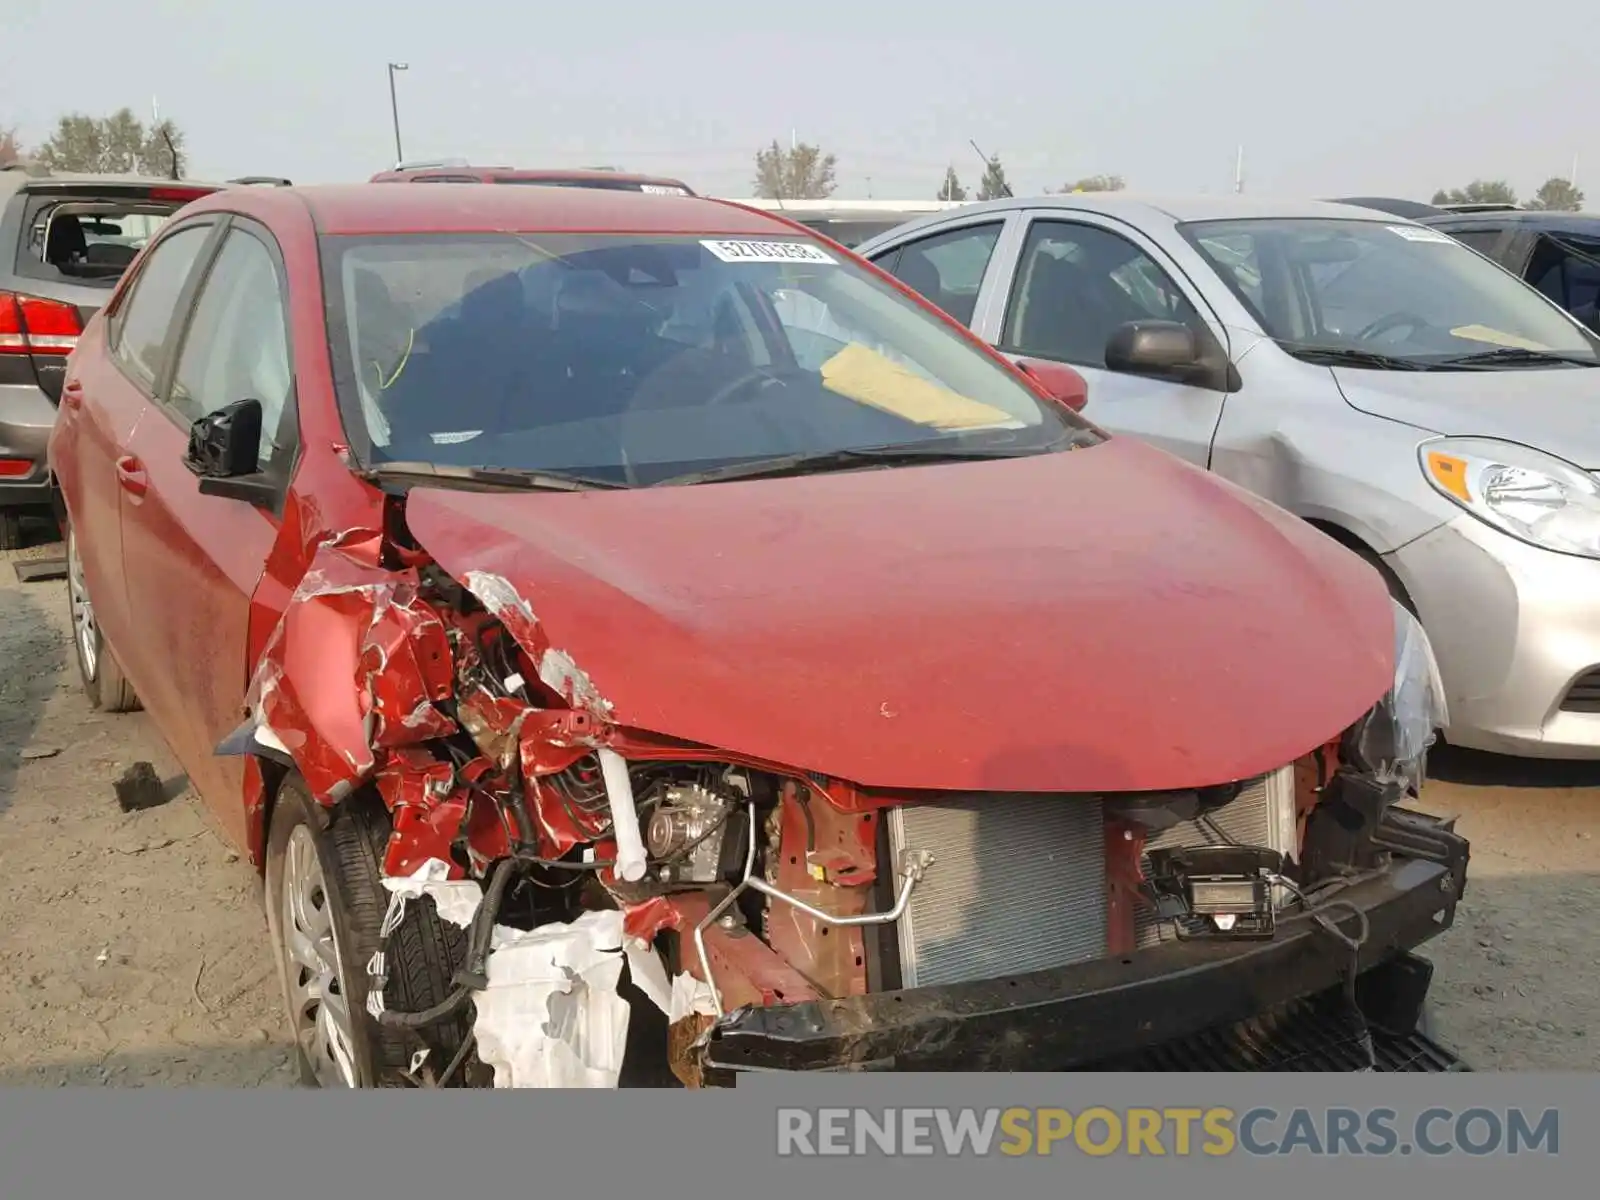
131	476
72	394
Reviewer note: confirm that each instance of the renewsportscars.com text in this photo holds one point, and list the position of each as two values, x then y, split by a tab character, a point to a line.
1163	1132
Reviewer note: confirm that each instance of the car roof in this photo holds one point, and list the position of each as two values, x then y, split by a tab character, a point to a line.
1411	210
581	175
1137	207
362	208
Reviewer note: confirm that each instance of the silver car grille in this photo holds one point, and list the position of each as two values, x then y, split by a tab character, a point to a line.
1018	883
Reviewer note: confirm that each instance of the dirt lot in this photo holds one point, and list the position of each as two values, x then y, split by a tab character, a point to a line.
135	951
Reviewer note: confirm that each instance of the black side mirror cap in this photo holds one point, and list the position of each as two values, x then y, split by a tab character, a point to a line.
224	452
1153	348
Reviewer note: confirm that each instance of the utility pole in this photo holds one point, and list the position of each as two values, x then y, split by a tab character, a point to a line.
1238	172
394	110
869	187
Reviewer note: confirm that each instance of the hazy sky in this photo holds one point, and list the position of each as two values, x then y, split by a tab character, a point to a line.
1365	97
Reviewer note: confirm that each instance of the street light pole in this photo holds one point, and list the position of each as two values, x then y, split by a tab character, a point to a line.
394	110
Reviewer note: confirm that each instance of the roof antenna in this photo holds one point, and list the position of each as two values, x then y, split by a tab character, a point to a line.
987	162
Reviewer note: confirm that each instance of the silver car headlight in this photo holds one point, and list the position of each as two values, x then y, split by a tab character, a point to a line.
1535	497
1392	740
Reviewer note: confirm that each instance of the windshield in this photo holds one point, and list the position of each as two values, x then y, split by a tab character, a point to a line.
635	358
1402	293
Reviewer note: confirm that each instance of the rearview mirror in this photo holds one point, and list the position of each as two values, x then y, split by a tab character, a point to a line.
225	451
1153	348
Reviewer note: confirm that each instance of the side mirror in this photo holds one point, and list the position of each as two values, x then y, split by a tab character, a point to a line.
1061	382
1153	348
225	450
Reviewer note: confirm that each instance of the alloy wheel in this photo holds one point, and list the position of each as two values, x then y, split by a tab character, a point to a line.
82	611
319	1007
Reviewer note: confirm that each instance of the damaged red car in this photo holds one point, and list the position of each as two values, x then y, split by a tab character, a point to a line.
638	641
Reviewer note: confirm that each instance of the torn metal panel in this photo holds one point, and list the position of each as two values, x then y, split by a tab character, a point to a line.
357	662
555	668
810	844
427	809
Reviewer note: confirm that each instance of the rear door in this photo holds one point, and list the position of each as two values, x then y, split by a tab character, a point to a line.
194	561
116	373
1073	280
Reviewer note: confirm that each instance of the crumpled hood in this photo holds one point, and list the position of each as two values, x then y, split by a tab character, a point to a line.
1554	409
1105	619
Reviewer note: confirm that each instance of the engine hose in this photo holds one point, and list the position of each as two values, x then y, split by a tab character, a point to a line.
474	973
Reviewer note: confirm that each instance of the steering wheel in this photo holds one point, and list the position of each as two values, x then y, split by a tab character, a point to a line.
1397	320
756	377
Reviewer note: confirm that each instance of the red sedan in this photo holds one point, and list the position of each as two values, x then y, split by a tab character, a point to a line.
547	584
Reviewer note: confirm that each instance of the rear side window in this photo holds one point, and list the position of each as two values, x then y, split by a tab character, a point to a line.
948	268
147	315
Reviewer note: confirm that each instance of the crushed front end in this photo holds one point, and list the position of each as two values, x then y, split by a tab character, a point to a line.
767	918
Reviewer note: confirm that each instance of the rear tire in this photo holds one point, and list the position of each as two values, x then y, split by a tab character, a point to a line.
104	683
338	890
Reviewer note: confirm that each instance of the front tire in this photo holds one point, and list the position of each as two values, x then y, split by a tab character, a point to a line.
104	683
325	904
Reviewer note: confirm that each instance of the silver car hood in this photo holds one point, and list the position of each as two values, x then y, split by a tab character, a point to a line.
1555	409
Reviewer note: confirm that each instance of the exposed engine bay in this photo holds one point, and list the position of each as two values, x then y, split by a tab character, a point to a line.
765	910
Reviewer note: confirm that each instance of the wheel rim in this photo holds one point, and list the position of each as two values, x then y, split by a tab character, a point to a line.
318	1006
83	626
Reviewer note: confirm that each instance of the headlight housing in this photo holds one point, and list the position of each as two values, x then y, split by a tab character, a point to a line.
1392	740
1535	497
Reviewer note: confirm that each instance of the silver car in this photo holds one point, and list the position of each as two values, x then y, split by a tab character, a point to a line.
1380	379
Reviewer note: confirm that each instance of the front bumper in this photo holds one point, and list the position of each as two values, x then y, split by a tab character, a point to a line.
1513	628
1076	1017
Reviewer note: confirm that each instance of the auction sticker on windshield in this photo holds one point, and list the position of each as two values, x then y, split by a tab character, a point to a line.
1415	233
768	252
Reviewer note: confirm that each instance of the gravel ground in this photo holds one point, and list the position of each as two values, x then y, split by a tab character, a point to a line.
136	949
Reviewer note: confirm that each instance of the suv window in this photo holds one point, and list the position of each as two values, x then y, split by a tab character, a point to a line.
1567	269
146	316
1077	283
89	239
237	347
1481	240
948	268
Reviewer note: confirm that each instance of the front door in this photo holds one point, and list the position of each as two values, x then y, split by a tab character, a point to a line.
105	401
195	561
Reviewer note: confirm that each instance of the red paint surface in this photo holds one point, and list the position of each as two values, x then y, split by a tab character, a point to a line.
1108	619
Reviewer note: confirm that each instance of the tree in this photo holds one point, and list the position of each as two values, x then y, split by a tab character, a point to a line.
10	148
951	188
801	173
1479	191
1097	183
993	185
114	145
1557	195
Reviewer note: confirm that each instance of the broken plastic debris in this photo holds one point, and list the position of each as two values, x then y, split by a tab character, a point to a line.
551	1015
456	900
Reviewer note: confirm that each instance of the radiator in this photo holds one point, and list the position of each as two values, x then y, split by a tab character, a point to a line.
1018	883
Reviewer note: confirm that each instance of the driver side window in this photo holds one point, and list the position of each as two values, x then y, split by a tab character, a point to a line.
237	346
1076	284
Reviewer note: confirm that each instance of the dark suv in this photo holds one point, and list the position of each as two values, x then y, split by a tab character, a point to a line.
64	242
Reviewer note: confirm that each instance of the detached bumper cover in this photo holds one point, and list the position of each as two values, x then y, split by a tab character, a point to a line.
1075	1017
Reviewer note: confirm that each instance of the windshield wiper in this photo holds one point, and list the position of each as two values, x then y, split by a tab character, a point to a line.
1514	356
509	478
1348	356
909	454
